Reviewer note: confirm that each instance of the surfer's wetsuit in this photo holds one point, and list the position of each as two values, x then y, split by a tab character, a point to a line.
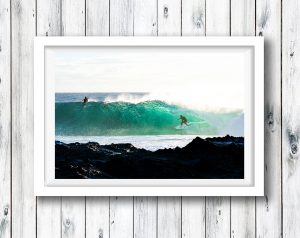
183	120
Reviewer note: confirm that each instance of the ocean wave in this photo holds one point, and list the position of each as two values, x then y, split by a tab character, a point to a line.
141	118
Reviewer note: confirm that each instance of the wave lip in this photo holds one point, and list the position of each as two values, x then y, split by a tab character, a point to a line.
190	100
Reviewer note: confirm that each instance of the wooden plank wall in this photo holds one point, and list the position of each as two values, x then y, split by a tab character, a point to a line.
274	215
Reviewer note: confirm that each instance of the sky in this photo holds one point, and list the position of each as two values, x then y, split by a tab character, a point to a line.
197	76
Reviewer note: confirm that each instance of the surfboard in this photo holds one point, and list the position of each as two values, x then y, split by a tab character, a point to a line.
181	127
184	126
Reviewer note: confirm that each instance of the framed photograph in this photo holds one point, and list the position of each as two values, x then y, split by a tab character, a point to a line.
145	116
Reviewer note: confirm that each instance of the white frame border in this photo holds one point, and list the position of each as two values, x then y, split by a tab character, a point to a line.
41	188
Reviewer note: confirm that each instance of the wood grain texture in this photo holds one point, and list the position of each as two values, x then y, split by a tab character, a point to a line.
193	17
169	217
242	217
145	17
23	17
268	208
73	217
121	17
145	217
49	20
242	17
5	120
169	17
290	117
48	222
97	17
193	217
73	17
97	217
218	17
217	208
242	24
48	208
217	217
121	217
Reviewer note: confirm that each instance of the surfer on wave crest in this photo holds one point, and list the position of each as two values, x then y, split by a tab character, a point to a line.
85	100
183	120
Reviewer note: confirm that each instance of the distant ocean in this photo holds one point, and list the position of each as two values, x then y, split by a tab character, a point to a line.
127	118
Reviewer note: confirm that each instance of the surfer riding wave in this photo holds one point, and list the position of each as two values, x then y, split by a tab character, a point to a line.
183	120
85	100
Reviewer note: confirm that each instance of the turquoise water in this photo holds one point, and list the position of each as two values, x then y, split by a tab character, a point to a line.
99	118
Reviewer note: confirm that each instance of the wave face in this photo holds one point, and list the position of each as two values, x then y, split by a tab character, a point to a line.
144	118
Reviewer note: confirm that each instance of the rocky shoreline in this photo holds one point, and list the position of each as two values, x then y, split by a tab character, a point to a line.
210	158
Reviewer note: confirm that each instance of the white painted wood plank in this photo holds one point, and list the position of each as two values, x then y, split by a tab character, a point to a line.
97	217
193	208
145	208
242	208
217	217
242	217
121	217
242	17
23	200
97	17
48	208
121	17
193	17
218	17
290	117
48	217
169	217
5	120
145	17
268	208
218	208
193	217
48	18
73	208
73	17
73	217
145	217
169	18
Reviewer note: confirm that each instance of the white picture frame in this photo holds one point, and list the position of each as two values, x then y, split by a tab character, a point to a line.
46	185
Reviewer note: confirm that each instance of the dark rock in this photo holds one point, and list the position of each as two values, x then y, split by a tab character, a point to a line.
211	158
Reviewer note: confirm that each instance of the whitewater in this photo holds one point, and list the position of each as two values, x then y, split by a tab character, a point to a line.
151	143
